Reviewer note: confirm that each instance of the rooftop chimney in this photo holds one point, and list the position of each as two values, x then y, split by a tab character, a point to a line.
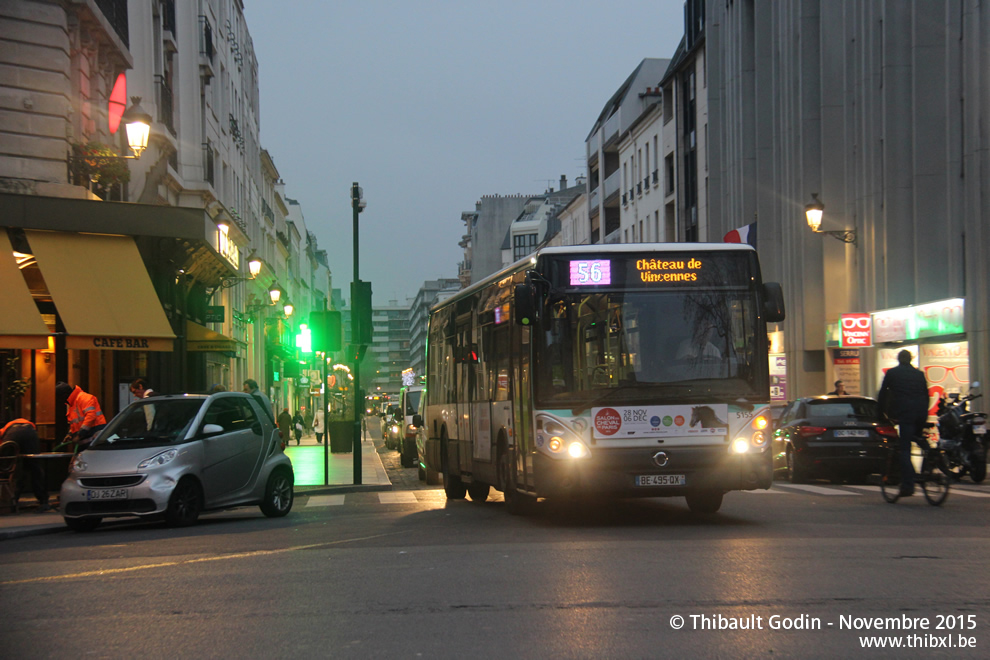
563	181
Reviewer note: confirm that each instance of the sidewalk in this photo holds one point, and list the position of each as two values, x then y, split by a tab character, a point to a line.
307	464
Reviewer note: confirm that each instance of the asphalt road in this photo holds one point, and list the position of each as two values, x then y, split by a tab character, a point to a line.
408	574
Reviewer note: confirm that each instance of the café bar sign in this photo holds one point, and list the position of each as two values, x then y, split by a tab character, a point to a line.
935	319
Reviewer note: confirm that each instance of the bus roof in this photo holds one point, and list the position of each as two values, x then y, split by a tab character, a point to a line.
611	248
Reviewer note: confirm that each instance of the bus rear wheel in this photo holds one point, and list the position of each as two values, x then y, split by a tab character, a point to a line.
704	501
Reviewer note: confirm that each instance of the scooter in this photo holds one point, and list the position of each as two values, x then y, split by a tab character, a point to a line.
963	436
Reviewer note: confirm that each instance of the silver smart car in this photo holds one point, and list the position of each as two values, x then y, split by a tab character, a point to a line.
176	456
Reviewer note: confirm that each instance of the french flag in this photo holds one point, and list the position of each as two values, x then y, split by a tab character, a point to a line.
746	234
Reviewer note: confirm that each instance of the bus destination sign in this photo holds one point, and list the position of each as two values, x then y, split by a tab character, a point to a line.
672	270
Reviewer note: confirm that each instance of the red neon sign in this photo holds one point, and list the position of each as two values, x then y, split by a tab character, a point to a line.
856	330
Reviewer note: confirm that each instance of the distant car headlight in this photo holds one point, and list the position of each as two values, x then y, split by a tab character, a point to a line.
161	459
394	429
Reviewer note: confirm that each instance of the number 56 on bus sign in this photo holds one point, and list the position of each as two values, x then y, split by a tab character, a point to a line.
591	272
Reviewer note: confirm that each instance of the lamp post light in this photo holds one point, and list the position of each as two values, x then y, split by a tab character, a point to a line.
275	294
814	211
288	308
357	205
137	122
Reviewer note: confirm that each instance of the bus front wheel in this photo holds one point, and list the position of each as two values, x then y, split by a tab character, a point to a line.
704	501
453	487
516	503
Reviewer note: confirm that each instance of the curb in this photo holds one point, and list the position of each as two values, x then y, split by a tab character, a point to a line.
51	528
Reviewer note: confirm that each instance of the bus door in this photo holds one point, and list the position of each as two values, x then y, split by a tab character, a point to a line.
522	404
465	359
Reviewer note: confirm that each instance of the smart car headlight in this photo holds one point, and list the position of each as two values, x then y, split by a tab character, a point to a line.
78	464
158	460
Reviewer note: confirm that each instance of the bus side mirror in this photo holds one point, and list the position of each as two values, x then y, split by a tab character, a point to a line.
525	301
773	302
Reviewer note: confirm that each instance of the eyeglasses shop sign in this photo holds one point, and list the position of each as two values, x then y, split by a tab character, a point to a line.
856	330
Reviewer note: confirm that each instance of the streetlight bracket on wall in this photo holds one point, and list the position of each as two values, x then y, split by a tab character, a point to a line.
814	211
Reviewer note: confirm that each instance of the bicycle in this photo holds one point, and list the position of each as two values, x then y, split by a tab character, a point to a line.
933	477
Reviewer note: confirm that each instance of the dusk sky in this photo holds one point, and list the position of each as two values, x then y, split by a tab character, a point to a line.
431	105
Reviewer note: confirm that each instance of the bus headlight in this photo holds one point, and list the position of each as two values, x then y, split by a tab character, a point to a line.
740	446
562	441
577	450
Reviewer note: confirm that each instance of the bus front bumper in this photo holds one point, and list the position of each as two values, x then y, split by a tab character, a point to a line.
634	472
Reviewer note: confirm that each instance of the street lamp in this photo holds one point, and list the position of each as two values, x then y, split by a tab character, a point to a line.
137	122
254	266
814	211
357	205
288	308
275	294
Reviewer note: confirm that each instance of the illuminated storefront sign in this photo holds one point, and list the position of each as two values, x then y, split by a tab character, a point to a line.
855	330
935	319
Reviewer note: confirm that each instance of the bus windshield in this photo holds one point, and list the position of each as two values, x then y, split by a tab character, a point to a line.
682	345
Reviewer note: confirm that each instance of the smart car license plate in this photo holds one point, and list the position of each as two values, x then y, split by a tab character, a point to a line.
660	480
107	494
852	433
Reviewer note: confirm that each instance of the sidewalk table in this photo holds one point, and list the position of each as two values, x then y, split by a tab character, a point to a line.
56	466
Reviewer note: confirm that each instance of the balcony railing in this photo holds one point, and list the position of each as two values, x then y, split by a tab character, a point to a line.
656	177
206	46
115	11
612	183
168	16
208	162
165	113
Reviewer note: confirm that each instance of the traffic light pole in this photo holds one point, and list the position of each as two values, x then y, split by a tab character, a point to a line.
356	207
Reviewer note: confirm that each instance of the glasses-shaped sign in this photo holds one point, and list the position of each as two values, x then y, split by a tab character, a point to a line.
937	373
856	330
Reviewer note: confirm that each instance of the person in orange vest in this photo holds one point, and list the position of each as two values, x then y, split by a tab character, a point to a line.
83	412
23	432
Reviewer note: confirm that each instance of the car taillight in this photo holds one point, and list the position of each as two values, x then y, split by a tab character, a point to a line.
887	431
807	431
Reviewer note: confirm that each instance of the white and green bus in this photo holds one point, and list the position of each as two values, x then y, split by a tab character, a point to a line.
605	370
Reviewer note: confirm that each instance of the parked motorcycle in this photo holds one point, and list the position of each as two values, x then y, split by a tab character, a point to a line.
963	436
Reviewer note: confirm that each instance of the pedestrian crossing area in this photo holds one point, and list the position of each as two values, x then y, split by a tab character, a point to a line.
436	496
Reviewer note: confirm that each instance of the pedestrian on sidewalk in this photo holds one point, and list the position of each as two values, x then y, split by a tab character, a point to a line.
307	419
285	426
140	389
318	425
298	425
251	387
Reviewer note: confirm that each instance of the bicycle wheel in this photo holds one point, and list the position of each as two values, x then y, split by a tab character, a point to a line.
890	478
934	477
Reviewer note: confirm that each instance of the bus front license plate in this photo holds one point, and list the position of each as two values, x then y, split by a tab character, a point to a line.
660	480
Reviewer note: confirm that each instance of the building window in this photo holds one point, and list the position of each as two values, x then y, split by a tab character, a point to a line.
523	245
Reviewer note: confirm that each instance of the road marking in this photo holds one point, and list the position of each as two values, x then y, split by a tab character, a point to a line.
108	572
819	490
772	491
325	500
398	497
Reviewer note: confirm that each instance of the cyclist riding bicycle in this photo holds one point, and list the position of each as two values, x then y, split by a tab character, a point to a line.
904	398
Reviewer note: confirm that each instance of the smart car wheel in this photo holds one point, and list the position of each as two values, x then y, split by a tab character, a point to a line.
185	504
83	524
278	494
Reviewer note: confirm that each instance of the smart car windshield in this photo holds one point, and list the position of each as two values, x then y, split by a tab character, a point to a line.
149	423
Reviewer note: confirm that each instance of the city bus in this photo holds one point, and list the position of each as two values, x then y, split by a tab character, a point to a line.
632	370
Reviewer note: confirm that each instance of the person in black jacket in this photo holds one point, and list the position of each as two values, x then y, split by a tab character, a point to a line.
904	398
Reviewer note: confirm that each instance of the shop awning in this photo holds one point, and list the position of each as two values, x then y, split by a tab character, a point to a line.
201	338
20	323
102	291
